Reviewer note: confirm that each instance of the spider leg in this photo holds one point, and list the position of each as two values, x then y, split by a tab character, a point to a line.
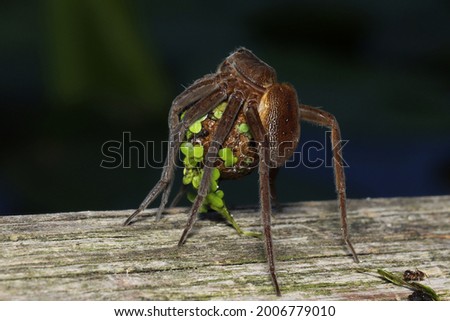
273	172
177	132
180	194
260	135
165	197
226	123
323	118
200	88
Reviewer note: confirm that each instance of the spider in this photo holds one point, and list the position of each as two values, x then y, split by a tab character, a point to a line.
247	90
416	275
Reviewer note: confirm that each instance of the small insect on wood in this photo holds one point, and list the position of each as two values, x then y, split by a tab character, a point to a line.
230	122
416	275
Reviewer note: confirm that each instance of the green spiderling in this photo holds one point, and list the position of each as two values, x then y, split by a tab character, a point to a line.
243	128
196	127
215	174
186	148
187	176
220	193
215	201
198	152
226	154
192	173
191	197
189	162
218	111
196	181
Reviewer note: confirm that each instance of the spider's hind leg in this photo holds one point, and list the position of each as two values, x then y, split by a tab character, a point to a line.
323	118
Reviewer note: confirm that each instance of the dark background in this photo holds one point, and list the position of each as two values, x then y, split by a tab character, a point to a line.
77	73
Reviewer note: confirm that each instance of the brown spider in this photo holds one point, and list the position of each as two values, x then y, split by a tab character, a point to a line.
416	275
272	112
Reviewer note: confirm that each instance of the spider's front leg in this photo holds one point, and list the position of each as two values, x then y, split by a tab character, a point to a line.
207	85
274	125
225	125
198	99
273	173
261	136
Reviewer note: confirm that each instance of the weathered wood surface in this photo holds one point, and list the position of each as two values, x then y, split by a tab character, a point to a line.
91	256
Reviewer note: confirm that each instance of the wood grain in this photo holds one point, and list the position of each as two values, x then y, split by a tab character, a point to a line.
91	256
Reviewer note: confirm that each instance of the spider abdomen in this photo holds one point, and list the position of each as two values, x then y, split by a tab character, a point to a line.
279	113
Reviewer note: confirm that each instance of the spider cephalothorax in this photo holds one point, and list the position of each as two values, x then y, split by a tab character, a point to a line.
230	122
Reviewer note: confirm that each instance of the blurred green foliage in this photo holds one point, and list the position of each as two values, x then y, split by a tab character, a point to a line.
78	73
95	52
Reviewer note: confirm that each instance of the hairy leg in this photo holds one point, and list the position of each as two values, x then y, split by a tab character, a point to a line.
226	123
322	118
261	137
179	195
177	131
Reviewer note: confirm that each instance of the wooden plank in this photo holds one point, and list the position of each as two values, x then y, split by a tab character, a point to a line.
91	256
